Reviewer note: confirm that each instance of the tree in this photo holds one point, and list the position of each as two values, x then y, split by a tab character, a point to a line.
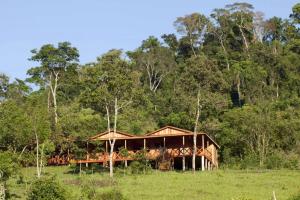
154	60
4	82
222	30
258	26
194	27
111	91
203	80
198	108
54	62
40	129
8	167
242	16
296	13
15	129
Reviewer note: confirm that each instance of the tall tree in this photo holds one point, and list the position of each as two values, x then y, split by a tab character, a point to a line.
110	91
242	16
296	13
54	61
194	27
154	60
222	30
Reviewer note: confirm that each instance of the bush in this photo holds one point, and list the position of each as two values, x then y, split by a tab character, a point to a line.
46	189
8	166
136	167
296	197
275	161
141	163
250	161
279	160
113	194
89	192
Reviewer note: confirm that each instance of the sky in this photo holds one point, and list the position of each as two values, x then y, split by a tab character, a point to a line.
96	26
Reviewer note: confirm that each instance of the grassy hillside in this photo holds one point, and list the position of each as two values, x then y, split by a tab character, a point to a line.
221	184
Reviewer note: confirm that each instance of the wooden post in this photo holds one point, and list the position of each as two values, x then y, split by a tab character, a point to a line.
206	160
164	142
105	154
144	143
183	154
125	145
106	147
87	154
202	157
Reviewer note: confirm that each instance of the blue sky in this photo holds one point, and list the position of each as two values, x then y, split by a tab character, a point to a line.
95	26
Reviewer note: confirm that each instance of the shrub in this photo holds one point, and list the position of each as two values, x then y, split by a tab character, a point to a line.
89	192
7	166
250	161
296	197
275	161
136	167
141	163
47	189
113	194
280	159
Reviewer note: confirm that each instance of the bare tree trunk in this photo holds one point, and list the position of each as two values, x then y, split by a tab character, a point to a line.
41	158
225	52
244	38
37	156
53	90
238	84
2	188
274	196
22	152
192	47
49	98
195	133
2	191
112	139
277	91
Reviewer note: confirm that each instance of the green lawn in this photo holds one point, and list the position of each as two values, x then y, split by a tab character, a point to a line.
220	184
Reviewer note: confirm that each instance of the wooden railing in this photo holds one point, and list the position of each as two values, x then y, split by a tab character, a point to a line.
151	154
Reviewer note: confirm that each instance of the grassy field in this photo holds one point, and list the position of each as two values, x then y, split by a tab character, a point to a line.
220	184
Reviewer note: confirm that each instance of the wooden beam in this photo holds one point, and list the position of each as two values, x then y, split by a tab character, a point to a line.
106	147
125	146
183	156
202	157
87	153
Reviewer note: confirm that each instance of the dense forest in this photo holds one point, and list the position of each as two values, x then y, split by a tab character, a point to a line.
240	70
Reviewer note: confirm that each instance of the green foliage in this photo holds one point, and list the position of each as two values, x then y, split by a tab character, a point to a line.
113	194
296	13
245	68
75	121
8	165
47	189
140	164
295	197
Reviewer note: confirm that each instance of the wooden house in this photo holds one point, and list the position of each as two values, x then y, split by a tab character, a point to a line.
168	147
